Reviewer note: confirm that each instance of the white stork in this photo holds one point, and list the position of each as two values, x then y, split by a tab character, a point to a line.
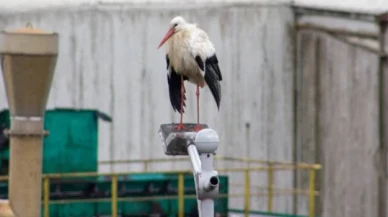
190	56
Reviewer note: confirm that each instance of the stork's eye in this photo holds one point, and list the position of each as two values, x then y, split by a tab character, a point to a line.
175	24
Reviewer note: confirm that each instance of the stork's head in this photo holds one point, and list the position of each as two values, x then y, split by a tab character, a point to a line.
176	25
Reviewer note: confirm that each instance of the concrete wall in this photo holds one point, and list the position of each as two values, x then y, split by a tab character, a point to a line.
338	118
108	61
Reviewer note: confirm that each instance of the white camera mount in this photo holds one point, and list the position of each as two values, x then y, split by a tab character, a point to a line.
201	147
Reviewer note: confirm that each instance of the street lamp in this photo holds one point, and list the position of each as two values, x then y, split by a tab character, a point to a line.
28	59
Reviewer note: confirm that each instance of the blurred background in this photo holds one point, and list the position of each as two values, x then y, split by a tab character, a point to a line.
303	81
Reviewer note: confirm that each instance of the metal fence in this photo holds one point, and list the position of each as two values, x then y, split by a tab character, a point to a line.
271	190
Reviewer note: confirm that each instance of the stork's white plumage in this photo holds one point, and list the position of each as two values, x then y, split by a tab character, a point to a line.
190	56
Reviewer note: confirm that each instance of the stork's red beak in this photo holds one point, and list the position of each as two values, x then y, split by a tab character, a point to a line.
166	37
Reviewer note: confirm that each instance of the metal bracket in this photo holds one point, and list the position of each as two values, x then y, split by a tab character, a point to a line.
201	147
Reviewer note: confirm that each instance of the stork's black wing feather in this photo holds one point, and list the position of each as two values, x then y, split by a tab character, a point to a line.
167	61
174	87
212	76
213	61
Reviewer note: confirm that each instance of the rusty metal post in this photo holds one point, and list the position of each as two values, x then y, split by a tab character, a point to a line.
28	59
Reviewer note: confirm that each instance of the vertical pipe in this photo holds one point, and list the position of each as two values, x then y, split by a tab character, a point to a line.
247	195
295	113
181	191
382	184
312	192
114	195
270	187
317	121
46	196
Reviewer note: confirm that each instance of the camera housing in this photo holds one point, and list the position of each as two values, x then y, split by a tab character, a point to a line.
200	147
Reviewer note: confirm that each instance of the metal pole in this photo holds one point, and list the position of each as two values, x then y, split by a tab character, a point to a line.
46	196
270	187
311	193
114	196
247	193
181	191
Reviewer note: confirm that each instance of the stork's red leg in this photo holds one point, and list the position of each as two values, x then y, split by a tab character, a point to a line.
198	127
180	126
